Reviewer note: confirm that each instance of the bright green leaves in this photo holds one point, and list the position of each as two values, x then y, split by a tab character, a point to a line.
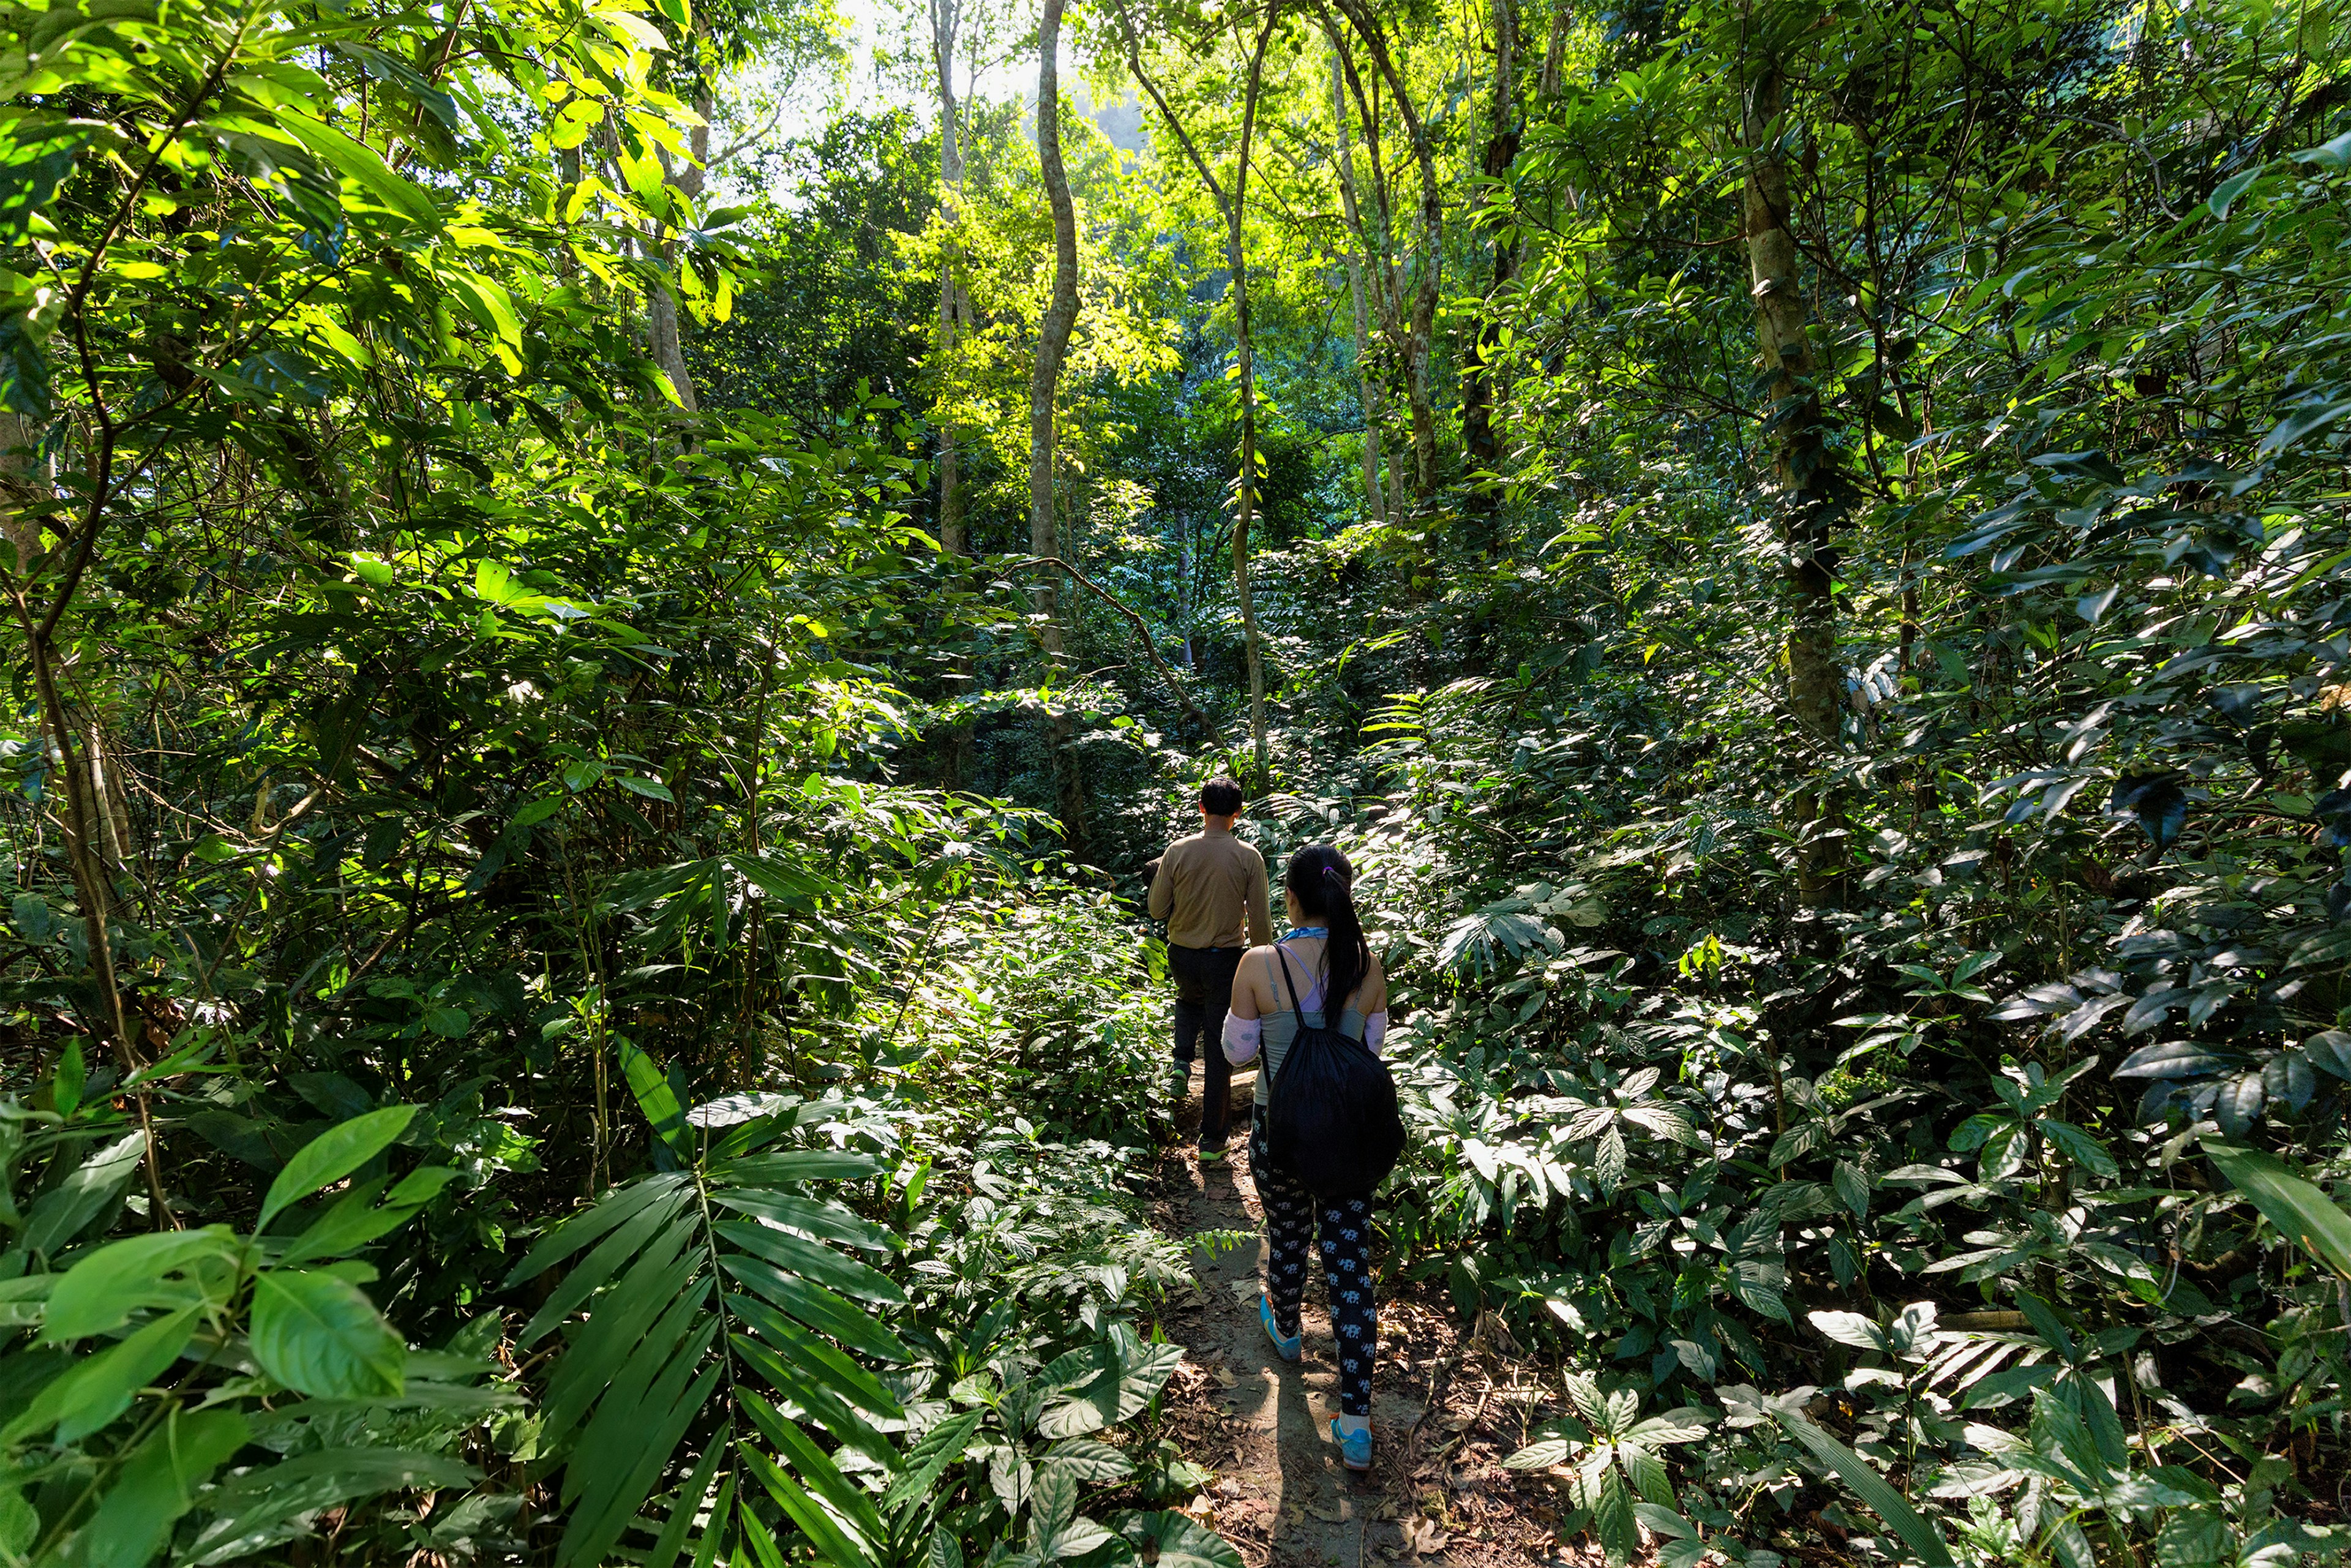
154	1487
97	1389
1102	1383
332	1155
2296	1205
492	308
679	1298
1617	1464
319	1334
1917	1533
167	1269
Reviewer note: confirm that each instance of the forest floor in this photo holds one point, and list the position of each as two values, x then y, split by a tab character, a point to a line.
1447	1407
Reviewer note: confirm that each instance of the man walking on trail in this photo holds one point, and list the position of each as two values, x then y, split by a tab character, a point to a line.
1210	888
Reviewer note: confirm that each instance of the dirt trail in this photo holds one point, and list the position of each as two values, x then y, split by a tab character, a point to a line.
1262	1425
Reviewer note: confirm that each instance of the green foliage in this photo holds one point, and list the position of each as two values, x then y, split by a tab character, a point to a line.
210	1391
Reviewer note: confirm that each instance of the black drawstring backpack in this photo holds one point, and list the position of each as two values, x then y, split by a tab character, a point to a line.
1332	1121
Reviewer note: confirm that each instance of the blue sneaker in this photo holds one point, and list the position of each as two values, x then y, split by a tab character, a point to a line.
1288	1349
1355	1448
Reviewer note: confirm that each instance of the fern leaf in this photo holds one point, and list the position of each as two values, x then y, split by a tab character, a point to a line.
592	1271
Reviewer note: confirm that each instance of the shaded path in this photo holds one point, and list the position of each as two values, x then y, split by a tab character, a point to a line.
1262	1425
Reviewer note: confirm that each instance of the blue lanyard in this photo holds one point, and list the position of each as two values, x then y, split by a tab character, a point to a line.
1320	931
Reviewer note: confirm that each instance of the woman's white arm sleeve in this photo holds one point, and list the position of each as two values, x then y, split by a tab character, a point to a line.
1242	1036
1376	1029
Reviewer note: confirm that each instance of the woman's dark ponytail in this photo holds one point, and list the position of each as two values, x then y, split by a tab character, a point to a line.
1322	881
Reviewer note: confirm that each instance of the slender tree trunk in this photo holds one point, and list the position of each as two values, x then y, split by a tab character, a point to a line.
945	20
1373	502
1237	257
954	313
1556	51
1052	345
1234	208
1810	492
26	481
1420	328
663	338
1384	272
1481	450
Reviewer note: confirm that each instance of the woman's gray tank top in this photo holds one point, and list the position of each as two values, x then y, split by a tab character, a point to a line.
1281	1028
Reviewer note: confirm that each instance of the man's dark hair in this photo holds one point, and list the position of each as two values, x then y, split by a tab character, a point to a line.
1220	797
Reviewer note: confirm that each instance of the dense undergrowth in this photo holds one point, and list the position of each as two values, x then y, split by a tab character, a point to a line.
569	994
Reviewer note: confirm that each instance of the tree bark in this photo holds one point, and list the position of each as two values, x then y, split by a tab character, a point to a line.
955	314
1481	450
26	481
1234	208
1811	493
955	309
1052	346
1374	501
1420	328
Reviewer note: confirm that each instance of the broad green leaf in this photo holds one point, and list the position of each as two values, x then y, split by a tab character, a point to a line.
362	165
105	1289
927	1460
67	1208
96	1390
1182	1542
153	1488
1850	1328
1917	1533
332	1155
2297	1207
321	1335
357	1219
655	1098
1541	1455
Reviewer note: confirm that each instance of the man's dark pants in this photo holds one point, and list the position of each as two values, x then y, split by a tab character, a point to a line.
1204	994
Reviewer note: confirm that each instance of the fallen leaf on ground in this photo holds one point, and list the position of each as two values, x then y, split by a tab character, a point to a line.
1329	1515
1422	1536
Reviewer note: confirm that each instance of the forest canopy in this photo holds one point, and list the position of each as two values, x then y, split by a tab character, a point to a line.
606	601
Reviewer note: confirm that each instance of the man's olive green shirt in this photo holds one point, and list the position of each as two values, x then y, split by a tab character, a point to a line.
1211	892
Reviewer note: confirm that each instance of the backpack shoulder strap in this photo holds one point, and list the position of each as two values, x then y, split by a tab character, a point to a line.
1291	984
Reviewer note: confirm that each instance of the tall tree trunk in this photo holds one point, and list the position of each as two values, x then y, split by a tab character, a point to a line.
1420	327
1234	209
1481	451
1052	345
1373	502
1384	272
663	338
947	17
26	482
954	313
1810	492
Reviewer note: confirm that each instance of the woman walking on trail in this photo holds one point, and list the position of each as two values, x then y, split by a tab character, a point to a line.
1324	957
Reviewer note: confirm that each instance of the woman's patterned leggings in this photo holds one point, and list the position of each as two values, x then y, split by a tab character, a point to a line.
1292	1217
